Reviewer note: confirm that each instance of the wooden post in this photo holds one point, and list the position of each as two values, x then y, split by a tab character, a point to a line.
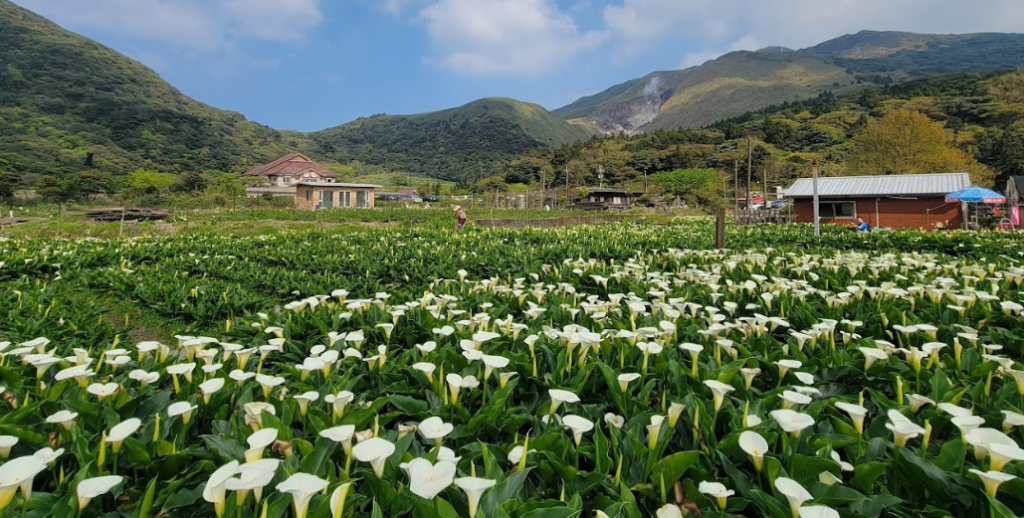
720	230
750	165
814	200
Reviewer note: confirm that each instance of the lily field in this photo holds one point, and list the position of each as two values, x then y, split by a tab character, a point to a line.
623	371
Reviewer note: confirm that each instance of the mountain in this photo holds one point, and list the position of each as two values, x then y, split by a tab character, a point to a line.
68	103
473	140
741	82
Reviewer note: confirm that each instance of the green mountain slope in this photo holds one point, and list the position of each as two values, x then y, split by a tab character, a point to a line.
470	141
747	81
980	118
67	102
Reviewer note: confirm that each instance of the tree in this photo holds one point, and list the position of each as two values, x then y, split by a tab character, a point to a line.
92	182
150	182
906	141
9	182
694	185
190	182
59	190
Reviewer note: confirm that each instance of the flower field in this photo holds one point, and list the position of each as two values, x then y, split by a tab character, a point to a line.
624	371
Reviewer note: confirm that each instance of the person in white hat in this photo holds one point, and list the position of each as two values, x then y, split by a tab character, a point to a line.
460	217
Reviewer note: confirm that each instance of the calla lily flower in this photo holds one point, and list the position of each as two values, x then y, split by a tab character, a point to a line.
669	511
674	411
790	399
208	388
375	451
474	488
917	401
341	434
49	455
18	474
254	413
818	511
654	430
427	480
338	497
983	438
97	486
857	414
748	376
903	429
716	490
614	420
992	480
791	421
561	396
302	487
65	418
435	429
625	379
6	443
120	432
214	490
578	425
258	441
1002	454
794	493
182	408
718	391
754	445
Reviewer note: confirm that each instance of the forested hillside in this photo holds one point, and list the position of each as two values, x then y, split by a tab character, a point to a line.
68	103
743	81
471	141
965	122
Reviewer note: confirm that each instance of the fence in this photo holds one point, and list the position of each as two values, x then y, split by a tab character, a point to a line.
561	221
771	216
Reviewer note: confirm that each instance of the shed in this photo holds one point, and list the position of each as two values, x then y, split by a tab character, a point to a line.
890	201
1015	190
612	198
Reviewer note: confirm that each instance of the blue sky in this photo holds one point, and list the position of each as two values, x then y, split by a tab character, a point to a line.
312	64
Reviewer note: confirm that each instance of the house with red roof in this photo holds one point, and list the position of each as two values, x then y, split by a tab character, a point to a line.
310	184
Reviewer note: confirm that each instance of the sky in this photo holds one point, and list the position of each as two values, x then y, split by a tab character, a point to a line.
313	64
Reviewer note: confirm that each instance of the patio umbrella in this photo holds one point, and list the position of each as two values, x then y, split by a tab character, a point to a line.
975	195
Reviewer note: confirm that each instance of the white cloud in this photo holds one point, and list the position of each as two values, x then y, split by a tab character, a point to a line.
201	25
638	25
184	22
693	59
504	37
275	20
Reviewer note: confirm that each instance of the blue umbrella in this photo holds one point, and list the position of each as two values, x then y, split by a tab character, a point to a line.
975	195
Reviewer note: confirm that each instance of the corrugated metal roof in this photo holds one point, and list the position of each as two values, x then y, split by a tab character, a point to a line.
882	185
341	184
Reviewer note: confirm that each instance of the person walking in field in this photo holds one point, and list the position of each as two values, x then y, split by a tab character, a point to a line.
460	218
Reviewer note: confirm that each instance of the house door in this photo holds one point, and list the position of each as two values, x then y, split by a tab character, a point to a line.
326	199
345	199
361	199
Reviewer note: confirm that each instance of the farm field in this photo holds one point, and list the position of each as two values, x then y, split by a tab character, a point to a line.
623	370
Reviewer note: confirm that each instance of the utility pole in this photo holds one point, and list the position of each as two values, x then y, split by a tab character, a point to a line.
764	181
750	165
814	186
600	176
566	183
736	185
543	179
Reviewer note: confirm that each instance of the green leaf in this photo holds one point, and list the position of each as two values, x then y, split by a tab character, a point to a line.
673	467
504	491
376	513
147	500
865	475
557	512
411	407
998	510
951	456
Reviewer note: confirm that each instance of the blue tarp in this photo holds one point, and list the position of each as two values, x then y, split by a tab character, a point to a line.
975	195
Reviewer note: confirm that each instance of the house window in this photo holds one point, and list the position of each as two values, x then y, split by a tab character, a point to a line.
326	199
287	180
361	199
345	199
837	209
309	195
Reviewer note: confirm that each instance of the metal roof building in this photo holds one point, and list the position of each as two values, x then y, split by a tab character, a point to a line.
891	201
931	184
